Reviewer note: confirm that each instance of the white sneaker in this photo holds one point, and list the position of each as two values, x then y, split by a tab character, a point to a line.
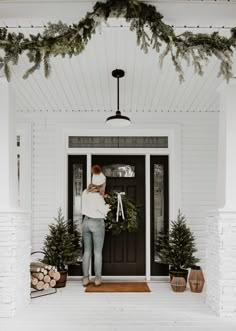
98	282
85	281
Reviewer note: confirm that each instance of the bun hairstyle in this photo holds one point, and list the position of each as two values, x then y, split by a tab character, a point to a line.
96	170
98	180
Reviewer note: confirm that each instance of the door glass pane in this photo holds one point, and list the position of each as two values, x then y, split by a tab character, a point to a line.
77	196
119	170
158	204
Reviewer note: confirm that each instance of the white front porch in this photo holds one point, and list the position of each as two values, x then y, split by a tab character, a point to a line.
161	309
204	187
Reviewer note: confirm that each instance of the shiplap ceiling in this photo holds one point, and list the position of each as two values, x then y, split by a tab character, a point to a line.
84	83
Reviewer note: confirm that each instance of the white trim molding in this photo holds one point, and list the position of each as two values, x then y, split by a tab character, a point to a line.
173	151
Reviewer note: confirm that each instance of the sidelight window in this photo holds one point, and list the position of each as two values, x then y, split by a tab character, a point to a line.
77	197
158	204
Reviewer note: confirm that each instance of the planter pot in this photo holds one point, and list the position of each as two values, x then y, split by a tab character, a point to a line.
62	281
196	279
179	273
178	284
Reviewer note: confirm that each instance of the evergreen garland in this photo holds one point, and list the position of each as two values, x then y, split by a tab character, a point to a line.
131	215
178	247
61	247
62	39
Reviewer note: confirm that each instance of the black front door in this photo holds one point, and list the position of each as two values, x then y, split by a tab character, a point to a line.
125	254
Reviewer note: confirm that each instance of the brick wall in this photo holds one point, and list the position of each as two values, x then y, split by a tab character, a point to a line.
15	244
221	263
213	264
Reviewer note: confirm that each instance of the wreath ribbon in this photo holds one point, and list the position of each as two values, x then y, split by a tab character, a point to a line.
120	209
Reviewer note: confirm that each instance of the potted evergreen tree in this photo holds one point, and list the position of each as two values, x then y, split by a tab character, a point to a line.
177	248
61	247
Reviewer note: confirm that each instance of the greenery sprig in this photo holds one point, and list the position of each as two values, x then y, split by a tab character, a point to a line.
131	213
62	39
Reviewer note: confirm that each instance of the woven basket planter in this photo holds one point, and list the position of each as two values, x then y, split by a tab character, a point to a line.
178	284
179	273
196	279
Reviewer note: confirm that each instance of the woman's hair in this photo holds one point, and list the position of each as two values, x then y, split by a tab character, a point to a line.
96	188
96	169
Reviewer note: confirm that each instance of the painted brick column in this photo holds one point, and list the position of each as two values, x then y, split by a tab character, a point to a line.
14	224
221	251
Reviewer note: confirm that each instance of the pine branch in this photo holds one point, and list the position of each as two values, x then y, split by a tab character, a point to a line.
62	39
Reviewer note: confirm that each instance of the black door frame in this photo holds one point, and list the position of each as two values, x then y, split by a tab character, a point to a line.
99	152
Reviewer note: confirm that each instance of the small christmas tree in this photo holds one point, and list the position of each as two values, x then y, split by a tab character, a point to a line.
60	246
178	247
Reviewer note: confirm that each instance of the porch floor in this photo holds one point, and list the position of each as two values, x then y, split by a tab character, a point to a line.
161	309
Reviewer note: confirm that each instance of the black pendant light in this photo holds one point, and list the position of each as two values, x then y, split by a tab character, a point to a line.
118	120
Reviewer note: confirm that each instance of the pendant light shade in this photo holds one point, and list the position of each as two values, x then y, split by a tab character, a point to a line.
118	120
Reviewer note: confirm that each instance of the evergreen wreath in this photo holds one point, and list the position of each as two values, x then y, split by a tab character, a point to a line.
131	215
62	39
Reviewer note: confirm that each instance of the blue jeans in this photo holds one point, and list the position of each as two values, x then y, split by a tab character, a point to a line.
93	232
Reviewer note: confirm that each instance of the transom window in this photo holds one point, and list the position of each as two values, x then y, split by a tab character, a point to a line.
117	142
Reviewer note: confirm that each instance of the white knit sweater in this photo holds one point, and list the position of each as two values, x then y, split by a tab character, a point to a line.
93	205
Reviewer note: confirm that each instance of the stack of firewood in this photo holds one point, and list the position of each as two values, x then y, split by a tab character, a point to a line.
43	276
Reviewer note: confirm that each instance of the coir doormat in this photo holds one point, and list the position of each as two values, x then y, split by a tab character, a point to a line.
118	287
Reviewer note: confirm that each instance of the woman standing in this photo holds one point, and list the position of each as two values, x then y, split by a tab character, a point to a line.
95	211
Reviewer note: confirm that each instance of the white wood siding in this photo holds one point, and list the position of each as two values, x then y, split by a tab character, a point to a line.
43	180
199	139
199	173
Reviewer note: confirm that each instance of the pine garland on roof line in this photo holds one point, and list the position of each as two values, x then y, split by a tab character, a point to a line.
62	39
